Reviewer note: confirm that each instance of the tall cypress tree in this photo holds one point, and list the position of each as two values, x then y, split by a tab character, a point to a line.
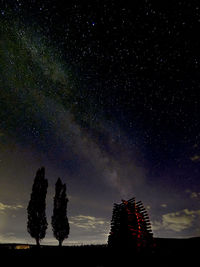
37	222
60	224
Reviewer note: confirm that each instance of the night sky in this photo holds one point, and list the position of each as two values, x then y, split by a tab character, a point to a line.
105	95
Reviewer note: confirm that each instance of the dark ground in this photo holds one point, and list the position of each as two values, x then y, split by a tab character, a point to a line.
168	252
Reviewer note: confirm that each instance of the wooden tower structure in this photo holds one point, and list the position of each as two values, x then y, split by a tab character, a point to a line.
130	226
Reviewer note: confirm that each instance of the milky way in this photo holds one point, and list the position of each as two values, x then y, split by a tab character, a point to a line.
107	99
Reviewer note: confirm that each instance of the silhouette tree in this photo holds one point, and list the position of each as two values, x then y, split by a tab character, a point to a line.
60	224
37	222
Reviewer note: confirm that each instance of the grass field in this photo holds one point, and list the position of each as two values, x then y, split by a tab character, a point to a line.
168	252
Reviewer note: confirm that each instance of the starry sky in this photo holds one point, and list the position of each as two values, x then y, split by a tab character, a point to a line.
105	95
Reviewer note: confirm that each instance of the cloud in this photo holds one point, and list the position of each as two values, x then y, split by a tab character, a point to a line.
177	221
11	237
193	195
156	225
4	207
88	229
89	222
195	158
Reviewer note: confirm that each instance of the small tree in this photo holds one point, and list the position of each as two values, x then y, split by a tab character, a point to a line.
37	222
60	224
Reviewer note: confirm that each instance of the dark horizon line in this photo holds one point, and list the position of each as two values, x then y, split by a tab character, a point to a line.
99	244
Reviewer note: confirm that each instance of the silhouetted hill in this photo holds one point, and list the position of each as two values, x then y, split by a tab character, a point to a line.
167	252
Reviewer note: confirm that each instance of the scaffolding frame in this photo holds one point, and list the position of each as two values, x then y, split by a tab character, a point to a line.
130	226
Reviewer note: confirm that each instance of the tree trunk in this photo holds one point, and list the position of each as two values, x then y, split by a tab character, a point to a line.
60	243
37	242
